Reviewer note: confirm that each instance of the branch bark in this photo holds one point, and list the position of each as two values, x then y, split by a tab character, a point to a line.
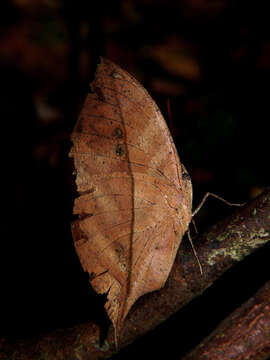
219	248
242	335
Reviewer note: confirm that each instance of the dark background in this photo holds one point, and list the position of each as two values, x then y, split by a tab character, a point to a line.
211	58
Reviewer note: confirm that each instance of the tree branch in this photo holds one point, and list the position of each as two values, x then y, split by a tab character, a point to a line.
219	248
242	335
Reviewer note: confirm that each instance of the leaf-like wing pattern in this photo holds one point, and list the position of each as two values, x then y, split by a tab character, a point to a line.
135	197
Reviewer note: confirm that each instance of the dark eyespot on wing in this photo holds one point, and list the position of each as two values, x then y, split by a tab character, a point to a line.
118	132
119	150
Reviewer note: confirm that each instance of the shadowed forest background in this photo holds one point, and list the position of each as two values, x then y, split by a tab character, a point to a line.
211	58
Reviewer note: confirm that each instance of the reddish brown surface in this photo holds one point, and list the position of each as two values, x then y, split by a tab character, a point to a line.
135	197
245	334
183	284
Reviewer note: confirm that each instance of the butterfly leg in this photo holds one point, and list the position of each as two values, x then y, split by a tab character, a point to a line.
215	196
194	251
194	225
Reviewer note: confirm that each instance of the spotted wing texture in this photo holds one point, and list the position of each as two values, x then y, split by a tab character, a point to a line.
135	197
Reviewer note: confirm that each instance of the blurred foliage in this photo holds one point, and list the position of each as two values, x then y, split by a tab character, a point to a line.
206	56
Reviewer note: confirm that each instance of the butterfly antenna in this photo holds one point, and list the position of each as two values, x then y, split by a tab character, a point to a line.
170	123
195	252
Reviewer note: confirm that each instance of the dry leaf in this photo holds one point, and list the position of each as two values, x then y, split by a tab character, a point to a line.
135	196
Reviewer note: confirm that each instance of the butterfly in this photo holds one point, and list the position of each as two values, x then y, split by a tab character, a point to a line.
135	196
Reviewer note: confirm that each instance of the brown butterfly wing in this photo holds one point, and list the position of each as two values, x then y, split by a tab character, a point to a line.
134	204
